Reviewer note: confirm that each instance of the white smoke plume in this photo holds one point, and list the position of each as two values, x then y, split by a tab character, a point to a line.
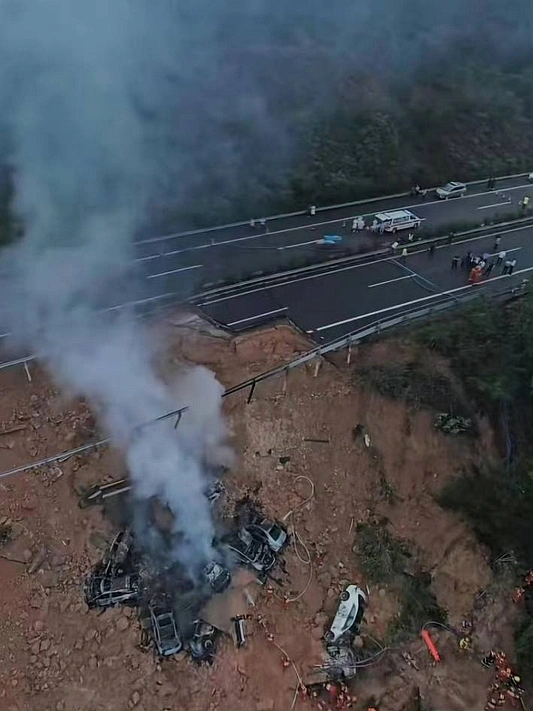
70	72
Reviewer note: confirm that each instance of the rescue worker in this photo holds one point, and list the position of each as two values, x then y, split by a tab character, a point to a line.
455	261
497	241
354	224
465	643
252	223
404	254
525	203
501	257
312	210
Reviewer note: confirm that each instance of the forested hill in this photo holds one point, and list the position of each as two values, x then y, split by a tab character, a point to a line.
268	105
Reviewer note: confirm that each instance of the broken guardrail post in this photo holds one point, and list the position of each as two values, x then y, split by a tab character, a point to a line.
251	393
317	366
26	368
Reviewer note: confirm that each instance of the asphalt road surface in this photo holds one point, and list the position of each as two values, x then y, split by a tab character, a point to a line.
182	263
346	297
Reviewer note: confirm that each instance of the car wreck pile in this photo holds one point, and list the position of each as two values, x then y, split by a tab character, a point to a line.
168	601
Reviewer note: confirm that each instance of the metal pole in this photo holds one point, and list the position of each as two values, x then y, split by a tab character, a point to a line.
27	370
317	366
251	393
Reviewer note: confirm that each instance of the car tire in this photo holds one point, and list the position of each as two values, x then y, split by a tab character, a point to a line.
345	595
329	637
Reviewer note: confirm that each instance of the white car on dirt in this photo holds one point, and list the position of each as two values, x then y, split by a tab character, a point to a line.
349	614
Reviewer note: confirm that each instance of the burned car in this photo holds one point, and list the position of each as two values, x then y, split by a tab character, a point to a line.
271	533
117	559
102	590
164	629
250	551
217	576
202	641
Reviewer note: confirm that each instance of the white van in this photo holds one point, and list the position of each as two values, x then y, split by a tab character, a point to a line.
397	220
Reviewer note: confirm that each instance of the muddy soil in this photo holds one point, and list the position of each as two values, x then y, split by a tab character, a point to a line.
296	454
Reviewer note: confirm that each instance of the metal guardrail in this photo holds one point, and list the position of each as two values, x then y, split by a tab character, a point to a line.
298	213
350	339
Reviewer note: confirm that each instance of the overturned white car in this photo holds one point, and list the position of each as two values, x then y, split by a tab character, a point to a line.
349	614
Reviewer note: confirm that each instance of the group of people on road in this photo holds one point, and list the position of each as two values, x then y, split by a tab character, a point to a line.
479	266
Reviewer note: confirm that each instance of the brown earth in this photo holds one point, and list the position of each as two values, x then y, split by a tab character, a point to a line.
55	654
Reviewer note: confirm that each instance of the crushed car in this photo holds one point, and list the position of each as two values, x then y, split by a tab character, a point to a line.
165	633
217	576
271	533
349	616
202	642
101	590
250	551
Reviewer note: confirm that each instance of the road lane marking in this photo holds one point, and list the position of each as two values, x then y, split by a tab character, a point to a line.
252	318
417	301
347	219
300	244
359	266
175	271
497	204
389	281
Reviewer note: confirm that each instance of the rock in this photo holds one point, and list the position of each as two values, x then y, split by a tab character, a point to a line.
35	648
93	662
38	560
26	555
357	642
135	698
340	564
122	624
382	592
90	634
38	626
33	658
45	644
128	612
48	578
332	592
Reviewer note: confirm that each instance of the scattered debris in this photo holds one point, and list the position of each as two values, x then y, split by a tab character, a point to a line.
430	645
452	424
240	636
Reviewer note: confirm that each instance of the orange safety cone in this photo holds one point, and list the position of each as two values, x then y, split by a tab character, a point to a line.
430	645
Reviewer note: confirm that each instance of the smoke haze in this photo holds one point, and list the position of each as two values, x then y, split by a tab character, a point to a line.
115	112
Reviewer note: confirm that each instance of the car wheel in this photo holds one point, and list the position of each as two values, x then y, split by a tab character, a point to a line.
329	636
208	644
345	595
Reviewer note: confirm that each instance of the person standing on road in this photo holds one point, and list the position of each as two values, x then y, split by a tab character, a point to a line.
486	256
501	257
455	261
252	223
404	254
489	268
512	265
354	224
394	246
431	250
410	237
263	224
506	267
361	223
497	241
466	261
312	210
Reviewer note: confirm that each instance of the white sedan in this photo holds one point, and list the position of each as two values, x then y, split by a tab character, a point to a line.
349	614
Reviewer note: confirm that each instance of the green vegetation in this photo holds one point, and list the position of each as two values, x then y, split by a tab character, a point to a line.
411	382
491	347
383	560
381	556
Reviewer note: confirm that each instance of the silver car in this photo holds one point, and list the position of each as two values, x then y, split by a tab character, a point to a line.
450	190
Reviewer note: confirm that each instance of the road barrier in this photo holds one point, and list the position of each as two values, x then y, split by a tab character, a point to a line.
315	354
301	213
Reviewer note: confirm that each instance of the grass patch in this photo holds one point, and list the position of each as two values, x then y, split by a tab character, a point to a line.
419	605
381	556
412	383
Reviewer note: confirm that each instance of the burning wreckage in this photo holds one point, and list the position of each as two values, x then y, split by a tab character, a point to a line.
169	602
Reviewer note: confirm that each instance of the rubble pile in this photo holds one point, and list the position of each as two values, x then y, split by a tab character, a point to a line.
169	603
